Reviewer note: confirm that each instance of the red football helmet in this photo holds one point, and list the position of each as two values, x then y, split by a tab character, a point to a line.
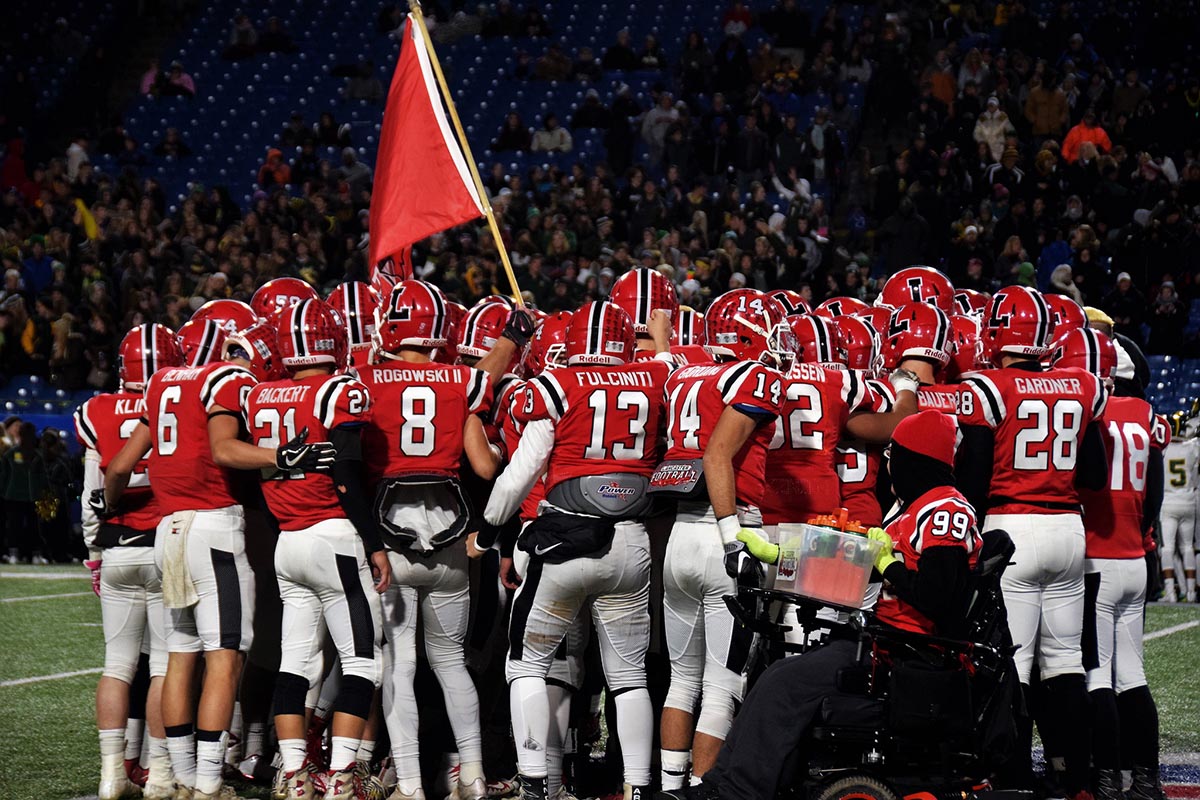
414	316
793	302
816	339
640	292
233	315
857	343
747	325
276	295
1068	315
482	328
689	327
258	344
970	302
600	333
548	348
840	307
968	347
145	350
878	317
917	330
1086	349
310	334
456	317
919	285
201	341
1017	322
355	303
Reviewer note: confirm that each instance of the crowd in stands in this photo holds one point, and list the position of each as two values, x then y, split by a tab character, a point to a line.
1002	146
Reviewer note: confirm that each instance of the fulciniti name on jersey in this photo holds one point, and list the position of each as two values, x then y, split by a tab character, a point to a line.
1048	385
422	376
637	379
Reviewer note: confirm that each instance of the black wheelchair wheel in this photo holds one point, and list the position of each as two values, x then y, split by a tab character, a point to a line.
856	787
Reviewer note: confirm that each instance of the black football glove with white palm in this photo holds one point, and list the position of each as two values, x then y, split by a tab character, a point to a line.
304	456
520	327
742	566
99	504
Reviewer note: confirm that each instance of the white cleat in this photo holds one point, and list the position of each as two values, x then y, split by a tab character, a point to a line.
116	789
399	795
224	793
160	791
476	790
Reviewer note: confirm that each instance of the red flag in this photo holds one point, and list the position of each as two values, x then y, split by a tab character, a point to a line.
390	270
422	183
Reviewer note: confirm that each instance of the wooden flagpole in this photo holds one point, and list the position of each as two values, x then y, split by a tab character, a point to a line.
419	19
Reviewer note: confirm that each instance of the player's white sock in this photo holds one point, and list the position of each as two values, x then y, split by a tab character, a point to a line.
134	730
233	750
1190	584
181	746
256	734
112	753
342	753
675	765
635	727
560	720
1169	594
292	752
531	724
469	772
366	751
158	762
210	758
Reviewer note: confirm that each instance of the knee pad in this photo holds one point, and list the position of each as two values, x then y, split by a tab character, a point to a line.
290	693
355	696
716	712
626	678
684	690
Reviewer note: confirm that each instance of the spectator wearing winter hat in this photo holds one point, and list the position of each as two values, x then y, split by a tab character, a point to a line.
993	127
274	171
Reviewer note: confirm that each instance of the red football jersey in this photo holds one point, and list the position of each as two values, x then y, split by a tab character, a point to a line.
681	354
858	465
276	412
1112	517
801	478
1038	419
606	419
420	411
939	518
510	432
103	423
697	396
941	397
178	402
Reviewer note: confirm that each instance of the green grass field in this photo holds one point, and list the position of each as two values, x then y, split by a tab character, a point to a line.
47	729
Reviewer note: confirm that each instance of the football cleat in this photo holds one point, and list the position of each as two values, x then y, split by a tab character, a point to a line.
136	773
343	785
396	794
224	793
116	789
163	791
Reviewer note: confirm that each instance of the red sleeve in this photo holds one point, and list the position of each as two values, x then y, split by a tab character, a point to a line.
85	430
980	402
948	522
1160	432
542	398
342	401
752	388
226	387
479	391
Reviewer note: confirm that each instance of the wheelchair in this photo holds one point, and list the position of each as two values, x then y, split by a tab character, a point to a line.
928	718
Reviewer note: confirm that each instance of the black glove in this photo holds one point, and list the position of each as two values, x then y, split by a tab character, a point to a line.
520	327
299	455
99	504
742	566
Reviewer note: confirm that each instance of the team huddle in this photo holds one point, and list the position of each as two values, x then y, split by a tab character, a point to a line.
292	493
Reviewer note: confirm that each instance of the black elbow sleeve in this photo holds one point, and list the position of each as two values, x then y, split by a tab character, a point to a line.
350	487
1091	469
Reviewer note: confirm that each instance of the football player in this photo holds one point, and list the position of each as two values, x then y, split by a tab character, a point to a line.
1118	520
121	558
424	423
918	285
191	432
280	293
329	560
355	302
1031	441
1178	518
593	426
836	307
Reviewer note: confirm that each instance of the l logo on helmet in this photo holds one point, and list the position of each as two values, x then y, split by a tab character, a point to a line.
897	327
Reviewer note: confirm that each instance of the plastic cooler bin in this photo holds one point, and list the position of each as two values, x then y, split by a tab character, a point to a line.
825	564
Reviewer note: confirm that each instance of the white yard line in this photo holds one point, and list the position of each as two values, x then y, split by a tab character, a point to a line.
55	677
46	576
42	597
1183	626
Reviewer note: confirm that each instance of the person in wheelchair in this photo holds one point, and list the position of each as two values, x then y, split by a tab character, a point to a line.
925	559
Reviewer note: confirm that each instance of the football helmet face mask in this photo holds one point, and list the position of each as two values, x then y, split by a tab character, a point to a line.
816	339
689	328
1086	349
258	344
746	325
276	295
414	315
600	333
1018	322
857	344
201	341
919	285
1068	315
793	302
917	330
967	355
836	307
310	335
145	350
482	329
970	302
548	348
233	315
642	291
355	303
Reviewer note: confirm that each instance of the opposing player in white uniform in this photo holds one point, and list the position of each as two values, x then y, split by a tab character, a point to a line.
1178	518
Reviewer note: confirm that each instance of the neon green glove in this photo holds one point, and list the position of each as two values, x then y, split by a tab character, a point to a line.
884	558
758	546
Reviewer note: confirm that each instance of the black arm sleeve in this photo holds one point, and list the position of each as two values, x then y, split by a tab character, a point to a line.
973	466
348	482
938	587
1155	478
1091	469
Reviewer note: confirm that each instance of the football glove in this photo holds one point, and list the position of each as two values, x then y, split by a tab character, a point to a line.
739	563
299	454
884	558
98	503
519	328
758	546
